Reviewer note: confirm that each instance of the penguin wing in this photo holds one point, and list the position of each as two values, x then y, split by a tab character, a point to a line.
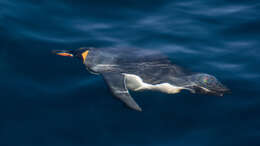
116	83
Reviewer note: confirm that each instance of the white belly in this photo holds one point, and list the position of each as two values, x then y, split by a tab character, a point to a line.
135	83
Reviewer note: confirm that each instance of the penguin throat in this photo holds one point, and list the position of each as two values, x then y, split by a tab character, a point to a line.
84	55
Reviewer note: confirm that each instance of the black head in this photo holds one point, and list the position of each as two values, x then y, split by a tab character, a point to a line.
80	53
208	84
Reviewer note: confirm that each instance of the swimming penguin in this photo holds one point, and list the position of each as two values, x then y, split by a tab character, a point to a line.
138	71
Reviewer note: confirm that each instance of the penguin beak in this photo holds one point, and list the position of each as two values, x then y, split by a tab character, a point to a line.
63	53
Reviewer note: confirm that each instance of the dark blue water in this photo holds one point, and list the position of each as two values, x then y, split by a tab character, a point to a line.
48	100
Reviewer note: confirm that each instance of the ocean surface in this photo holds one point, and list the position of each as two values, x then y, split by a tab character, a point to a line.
48	100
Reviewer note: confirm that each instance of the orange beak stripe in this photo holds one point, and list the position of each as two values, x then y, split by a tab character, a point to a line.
65	54
84	55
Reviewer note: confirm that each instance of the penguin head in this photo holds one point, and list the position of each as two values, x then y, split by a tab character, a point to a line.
80	53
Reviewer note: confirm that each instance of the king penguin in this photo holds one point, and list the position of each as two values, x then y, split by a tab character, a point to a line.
142	70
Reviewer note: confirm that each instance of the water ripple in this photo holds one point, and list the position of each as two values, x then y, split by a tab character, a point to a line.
216	37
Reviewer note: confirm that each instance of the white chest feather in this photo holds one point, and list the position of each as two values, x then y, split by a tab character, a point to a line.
135	83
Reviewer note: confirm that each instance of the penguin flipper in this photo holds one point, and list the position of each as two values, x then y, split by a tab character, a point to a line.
116	83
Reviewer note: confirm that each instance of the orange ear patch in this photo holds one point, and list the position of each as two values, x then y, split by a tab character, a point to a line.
65	54
84	55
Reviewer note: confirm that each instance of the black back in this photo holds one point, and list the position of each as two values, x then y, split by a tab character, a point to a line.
152	67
